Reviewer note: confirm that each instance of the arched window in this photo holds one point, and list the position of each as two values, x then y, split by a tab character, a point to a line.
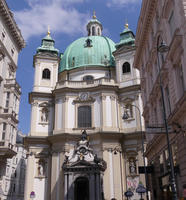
126	68
98	31
84	116
73	61
93	30
89	32
46	74
88	78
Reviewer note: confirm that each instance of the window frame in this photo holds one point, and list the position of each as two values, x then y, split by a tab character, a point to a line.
125	69
88	123
4	128
46	74
84	78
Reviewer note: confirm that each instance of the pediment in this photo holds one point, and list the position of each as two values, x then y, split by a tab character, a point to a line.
127	100
44	104
81	163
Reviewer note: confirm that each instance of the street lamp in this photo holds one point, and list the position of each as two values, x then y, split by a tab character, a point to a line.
163	48
32	195
126	116
141	190
128	194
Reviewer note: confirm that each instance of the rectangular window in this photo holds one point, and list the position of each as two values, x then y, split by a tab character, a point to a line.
155	116
161	111
172	23
3	35
180	80
4	131
84	116
12	51
7	99
6	186
167	97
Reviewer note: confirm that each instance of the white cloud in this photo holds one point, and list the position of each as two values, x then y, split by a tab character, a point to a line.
60	15
121	3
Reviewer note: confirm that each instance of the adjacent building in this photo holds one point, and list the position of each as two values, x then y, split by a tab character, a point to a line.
11	43
163	21
79	146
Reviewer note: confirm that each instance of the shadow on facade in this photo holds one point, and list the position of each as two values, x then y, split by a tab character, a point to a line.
15	179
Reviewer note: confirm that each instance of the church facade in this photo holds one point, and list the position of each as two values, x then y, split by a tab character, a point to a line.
80	146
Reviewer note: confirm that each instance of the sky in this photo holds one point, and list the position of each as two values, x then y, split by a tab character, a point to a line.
67	20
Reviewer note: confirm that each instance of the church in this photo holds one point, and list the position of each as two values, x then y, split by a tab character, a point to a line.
80	145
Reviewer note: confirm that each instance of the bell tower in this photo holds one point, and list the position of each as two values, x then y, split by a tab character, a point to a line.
46	63
94	27
124	56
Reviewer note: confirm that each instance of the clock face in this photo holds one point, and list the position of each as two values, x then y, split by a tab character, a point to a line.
84	96
82	150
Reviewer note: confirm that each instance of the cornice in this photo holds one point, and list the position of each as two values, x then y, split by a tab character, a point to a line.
144	22
46	56
39	94
87	89
124	49
10	22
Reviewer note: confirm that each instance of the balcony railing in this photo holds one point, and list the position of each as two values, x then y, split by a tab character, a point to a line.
4	112
86	84
12	82
7	149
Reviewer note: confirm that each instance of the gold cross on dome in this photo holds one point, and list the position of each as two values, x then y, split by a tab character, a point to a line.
48	30
94	14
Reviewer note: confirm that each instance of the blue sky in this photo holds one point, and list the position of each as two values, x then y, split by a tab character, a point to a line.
67	20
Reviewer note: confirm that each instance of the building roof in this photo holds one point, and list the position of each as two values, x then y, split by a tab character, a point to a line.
88	51
47	45
126	37
7	15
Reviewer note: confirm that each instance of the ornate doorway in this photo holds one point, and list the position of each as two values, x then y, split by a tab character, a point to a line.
81	190
83	172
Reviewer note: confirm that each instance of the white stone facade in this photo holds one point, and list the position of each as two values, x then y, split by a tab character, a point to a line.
55	128
164	20
11	42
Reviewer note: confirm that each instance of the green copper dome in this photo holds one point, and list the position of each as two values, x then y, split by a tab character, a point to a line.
88	51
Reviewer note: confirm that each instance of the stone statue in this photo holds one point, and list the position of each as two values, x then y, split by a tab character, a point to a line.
44	115
40	170
132	166
84	139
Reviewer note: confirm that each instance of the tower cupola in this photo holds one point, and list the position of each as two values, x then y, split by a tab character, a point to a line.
127	37
94	27
47	45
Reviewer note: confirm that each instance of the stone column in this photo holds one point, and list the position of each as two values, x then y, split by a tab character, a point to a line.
98	193
71	187
92	187
111	175
66	187
114	112
29	180
33	117
103	111
65	112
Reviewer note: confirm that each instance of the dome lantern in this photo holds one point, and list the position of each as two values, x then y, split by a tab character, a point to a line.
94	27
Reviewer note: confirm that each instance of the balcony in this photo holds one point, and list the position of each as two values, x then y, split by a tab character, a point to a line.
9	113
86	84
12	83
7	150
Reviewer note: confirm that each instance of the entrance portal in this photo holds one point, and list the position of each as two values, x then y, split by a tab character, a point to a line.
81	191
